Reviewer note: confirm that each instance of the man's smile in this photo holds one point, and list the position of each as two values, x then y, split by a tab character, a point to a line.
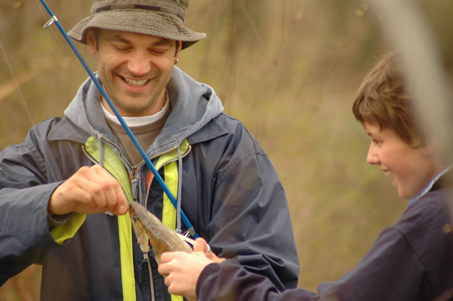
136	83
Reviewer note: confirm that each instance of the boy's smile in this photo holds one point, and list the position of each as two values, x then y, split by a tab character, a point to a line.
410	168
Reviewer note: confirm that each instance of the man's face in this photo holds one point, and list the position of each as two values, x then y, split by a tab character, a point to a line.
410	168
134	69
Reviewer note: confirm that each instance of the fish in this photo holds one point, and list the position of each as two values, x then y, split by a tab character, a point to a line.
151	232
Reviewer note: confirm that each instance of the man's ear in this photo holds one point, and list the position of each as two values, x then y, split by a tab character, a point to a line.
92	42
178	51
430	146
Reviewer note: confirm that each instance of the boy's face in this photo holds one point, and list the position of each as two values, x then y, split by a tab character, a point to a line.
410	168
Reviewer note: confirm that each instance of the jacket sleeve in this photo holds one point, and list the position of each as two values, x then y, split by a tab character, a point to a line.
390	271
251	220
25	189
231	281
409	261
24	195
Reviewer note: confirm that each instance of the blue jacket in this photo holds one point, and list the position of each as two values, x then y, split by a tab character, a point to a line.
229	191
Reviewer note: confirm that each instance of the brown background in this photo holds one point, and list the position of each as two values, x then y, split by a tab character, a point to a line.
288	69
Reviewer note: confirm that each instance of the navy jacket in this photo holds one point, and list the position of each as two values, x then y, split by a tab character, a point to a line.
230	193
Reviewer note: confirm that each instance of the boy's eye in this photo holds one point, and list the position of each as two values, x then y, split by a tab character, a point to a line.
373	141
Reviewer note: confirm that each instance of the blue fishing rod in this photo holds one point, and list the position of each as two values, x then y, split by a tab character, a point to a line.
54	19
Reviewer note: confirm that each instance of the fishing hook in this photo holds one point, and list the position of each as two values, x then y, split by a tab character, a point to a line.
54	20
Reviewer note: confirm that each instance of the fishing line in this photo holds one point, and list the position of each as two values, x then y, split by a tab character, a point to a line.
58	40
17	84
25	105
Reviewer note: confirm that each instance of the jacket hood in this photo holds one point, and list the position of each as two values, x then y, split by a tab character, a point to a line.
193	105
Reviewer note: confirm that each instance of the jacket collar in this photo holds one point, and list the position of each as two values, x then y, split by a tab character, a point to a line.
194	106
439	181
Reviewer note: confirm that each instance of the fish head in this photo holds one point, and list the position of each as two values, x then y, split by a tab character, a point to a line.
138	226
132	211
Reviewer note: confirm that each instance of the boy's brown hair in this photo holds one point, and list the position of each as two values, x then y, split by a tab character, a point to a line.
384	99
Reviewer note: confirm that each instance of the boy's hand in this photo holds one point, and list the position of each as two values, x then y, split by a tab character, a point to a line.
202	246
181	270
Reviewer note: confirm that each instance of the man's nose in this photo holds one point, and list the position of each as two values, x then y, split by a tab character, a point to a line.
139	64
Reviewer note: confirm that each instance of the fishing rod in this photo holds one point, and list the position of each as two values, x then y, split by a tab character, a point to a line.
53	19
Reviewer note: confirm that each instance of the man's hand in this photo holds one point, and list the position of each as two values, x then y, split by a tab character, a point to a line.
181	270
90	190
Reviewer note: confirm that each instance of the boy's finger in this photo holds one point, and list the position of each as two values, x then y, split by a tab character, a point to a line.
201	246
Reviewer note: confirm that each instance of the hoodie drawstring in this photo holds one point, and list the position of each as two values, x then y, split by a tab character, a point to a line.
101	151
179	200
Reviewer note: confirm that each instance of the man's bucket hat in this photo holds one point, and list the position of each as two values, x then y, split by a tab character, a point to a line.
160	18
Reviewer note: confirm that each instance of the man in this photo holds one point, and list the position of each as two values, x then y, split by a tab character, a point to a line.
411	260
64	190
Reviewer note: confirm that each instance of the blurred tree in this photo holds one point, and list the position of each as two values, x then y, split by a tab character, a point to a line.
288	69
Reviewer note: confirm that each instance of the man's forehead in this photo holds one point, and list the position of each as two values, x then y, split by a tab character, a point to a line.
130	37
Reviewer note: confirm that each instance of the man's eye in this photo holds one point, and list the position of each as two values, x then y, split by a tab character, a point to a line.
158	51
121	49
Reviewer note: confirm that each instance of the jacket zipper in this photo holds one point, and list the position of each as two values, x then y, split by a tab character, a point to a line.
134	181
134	187
146	255
163	164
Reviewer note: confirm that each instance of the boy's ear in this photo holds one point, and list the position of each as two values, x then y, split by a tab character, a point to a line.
430	146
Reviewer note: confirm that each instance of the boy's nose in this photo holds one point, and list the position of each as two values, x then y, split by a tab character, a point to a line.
372	157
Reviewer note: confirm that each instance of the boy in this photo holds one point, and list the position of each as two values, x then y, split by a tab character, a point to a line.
411	260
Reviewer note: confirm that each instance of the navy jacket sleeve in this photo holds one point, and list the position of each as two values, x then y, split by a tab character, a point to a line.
24	195
411	260
231	281
388	272
391	270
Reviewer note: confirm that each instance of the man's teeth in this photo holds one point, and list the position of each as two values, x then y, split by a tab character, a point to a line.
387	172
137	83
